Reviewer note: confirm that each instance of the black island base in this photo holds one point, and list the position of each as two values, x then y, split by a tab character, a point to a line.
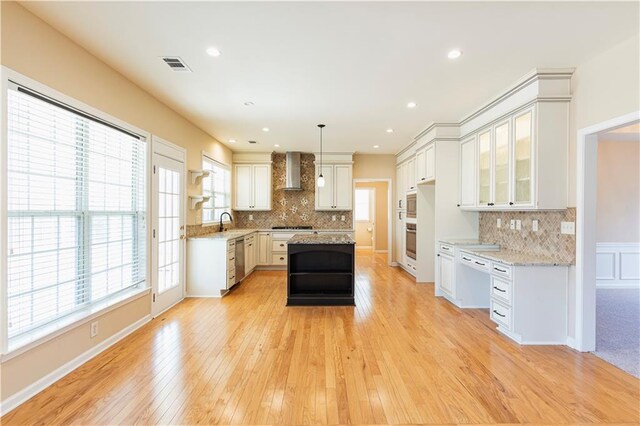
321	270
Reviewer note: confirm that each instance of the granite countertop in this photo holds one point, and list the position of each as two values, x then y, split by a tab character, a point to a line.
514	258
321	239
237	233
467	242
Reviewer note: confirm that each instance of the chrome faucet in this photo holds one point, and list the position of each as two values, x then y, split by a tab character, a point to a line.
221	228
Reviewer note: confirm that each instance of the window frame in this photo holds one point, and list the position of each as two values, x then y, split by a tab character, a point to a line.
63	324
210	158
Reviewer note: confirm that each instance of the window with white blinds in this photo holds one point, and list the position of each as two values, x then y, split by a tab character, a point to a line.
75	211
217	186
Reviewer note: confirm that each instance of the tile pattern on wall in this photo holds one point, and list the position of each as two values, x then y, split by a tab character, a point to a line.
547	241
293	208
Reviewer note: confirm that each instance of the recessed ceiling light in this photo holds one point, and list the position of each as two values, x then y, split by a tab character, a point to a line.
455	53
412	105
277	145
249	103
212	51
232	141
389	130
265	129
376	146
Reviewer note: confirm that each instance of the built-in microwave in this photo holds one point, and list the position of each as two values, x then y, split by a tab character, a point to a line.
412	206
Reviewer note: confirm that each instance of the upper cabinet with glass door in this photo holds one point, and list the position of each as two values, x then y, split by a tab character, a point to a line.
521	160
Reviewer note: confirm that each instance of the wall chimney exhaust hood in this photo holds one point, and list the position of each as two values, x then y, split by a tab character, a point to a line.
293	172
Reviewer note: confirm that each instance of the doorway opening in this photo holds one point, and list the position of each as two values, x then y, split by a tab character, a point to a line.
372	216
607	305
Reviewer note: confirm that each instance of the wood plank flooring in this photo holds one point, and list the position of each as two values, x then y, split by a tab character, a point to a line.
401	356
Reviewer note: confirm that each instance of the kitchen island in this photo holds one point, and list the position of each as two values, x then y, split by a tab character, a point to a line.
320	270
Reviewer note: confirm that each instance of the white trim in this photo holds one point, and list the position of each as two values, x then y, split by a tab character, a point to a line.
115	304
390	213
586	166
25	394
622	256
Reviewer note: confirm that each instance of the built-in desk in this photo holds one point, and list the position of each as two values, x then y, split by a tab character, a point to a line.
526	294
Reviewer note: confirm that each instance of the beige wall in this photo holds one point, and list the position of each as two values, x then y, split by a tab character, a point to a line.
382	212
36	50
604	87
618	213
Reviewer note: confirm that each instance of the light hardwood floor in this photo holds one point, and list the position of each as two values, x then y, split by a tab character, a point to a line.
400	356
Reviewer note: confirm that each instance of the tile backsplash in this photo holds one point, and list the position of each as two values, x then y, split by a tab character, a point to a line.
293	208
547	241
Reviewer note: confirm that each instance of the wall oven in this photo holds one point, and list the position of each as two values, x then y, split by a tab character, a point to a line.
412	206
411	240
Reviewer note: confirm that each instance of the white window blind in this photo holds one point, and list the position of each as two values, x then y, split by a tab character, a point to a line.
76	211
217	186
363	205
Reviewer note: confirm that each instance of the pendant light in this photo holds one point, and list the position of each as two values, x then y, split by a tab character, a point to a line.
321	178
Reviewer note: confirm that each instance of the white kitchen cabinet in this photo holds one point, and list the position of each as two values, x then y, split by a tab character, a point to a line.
399	252
249	253
445	273
252	187
425	164
264	248
401	190
468	173
410	174
520	161
211	266
337	193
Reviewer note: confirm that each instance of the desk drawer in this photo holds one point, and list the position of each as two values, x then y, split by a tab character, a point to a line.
500	314
501	270
279	259
475	262
501	290
446	249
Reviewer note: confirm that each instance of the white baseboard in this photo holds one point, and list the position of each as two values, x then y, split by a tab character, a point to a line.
25	394
618	265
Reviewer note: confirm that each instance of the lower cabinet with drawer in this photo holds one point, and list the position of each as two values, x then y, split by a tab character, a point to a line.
527	302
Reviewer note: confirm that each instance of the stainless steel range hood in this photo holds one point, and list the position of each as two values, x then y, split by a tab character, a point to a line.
292	168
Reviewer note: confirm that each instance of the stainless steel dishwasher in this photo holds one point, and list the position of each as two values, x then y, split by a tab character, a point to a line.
239	259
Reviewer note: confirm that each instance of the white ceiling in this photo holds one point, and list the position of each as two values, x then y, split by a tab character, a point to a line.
352	66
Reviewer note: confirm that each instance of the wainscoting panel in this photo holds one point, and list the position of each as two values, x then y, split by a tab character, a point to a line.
618	265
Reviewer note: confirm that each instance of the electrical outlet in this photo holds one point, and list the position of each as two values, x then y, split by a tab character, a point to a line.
498	223
518	224
534	225
568	228
342	218
94	329
333	218
250	217
512	224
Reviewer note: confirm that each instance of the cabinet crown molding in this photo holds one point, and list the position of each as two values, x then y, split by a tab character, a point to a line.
252	157
539	84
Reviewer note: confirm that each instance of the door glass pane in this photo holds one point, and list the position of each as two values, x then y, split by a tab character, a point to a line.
168	229
501	158
523	158
484	170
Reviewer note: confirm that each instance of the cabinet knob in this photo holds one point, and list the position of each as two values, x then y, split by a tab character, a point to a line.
458	205
510	203
423	179
282	258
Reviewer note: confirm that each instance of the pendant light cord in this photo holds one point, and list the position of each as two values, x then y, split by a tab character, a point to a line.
321	127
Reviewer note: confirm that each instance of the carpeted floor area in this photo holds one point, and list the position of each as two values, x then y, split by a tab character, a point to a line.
618	328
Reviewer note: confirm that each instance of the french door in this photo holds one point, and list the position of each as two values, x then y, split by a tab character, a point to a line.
168	235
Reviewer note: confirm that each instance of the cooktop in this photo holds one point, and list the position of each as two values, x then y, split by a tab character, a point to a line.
293	227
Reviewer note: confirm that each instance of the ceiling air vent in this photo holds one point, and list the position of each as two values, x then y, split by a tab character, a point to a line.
175	63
